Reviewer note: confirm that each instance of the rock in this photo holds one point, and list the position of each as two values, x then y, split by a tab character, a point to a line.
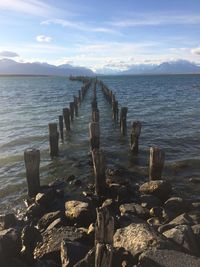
46	263
137	238
127	219
194	180
167	258
155	222
119	191
134	209
183	236
57	223
158	188
72	252
149	201
111	205
121	257
49	248
182	219
71	178
79	212
91	232
48	218
8	220
46	198
176	205
88	261
10	243
196	232
34	211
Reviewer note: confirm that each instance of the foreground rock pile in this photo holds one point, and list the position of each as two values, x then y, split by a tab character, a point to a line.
153	227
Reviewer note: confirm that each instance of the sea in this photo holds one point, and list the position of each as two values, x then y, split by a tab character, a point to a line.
168	106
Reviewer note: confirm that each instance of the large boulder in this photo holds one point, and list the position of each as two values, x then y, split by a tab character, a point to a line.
184	237
136	238
158	188
79	212
167	258
49	248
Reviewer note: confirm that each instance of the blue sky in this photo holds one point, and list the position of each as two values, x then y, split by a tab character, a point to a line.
100	34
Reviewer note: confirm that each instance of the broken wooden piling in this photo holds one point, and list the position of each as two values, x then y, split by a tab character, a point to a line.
135	134
123	126
71	107
66	116
53	139
76	106
95	115
61	127
94	132
99	172
156	163
32	165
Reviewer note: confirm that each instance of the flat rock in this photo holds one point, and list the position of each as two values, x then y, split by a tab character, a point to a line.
48	218
183	236
79	212
158	188
167	258
136	238
134	209
49	248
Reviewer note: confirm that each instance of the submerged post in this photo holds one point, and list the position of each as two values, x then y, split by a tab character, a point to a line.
53	139
32	165
156	163
123	114
61	127
99	172
71	106
135	133
104	238
95	115
94	132
66	116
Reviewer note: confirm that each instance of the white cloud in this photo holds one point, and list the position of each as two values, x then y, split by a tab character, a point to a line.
43	39
33	7
150	19
195	51
8	54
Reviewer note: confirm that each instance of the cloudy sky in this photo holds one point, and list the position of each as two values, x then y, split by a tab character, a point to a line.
99	34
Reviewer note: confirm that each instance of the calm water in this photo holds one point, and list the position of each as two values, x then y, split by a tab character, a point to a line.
167	106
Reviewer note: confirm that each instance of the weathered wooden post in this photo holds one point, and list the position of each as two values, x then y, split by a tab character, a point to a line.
104	238
53	139
32	165
71	106
135	133
76	106
61	127
95	115
94	132
66	116
123	114
156	163
99	172
94	104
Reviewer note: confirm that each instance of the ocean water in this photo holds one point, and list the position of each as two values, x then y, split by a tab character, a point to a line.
168	107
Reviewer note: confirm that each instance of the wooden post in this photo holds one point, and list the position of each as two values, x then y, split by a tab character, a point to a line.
76	106
32	165
95	115
104	238
99	172
53	139
123	115
156	163
94	104
61	127
135	133
66	116
94	132
79	96
71	106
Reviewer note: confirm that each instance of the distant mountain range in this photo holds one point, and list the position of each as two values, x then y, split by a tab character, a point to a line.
171	67
11	67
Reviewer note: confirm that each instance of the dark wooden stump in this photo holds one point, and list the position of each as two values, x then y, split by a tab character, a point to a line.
66	116
53	139
94	132
103	255
61	127
156	163
135	133
99	172
123	126
71	107
95	115
32	165
76	106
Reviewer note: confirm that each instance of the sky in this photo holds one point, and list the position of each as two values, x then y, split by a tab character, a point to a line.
100	34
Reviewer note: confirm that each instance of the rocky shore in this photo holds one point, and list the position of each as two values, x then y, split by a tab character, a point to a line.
152	226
